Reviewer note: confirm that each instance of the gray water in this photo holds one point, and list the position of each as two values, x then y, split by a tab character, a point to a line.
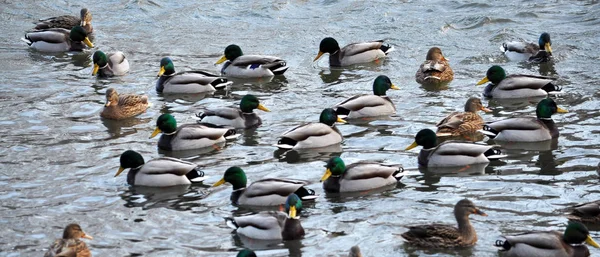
58	157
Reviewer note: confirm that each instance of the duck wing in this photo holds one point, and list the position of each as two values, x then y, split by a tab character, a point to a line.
520	47
367	170
542	240
229	113
168	165
461	148
357	48
518	81
433	232
53	35
199	131
358	102
270	186
305	131
246	60
515	124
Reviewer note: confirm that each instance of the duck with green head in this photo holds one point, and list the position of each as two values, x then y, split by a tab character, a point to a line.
239	118
113	64
187	82
354	53
159	172
238	65
359	176
548	243
521	51
246	253
68	21
58	40
271	225
70	244
516	85
189	136
123	106
519	129
435	69
264	192
313	135
451	153
377	104
588	213
463	123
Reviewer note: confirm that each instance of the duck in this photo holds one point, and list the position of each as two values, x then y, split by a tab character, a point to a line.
119	107
463	123
516	85
588	213
239	118
68	22
435	69
313	135
445	236
272	225
360	176
189	136
263	192
524	129
537	53
243	66
159	172
187	82
377	104
115	64
451	153
354	53
246	253
58	40
355	252
70	244
548	243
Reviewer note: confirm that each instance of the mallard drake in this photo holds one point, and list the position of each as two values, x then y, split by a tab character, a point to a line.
189	136
516	85
272	225
537	129
239	118
239	65
354	53
360	176
435	69
159	172
520	51
463	123
588	213
58	40
114	65
548	243
246	253
68	21
187	82
313	135
377	104
355	252
451	153
264	192
445	236
125	106
69	243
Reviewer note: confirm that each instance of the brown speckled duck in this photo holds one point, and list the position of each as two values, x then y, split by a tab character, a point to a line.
435	69
120	107
70	244
68	21
464	123
587	213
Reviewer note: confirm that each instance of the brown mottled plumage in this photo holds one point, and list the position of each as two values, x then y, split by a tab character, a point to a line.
123	106
70	244
445	236
464	123
587	213
435	69
68	22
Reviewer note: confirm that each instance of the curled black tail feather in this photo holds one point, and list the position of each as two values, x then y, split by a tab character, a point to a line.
488	128
304	192
492	152
399	171
195	173
503	243
550	87
201	116
342	111
385	48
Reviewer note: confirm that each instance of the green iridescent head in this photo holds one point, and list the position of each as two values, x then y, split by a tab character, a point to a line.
327	45
577	233
78	34
130	159
545	42
329	117
546	108
166	67
335	166
250	102
166	124
246	253
425	138
381	85
495	74
293	205
235	176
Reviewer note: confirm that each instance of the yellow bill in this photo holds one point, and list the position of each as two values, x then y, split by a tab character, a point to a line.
340	120
292	212
483	81
326	175
220	182
88	42
156	132
411	146
263	108
121	169
394	87
222	60
561	110
95	70
548	47
591	242
318	56
161	71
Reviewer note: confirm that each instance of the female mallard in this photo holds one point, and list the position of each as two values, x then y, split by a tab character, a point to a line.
264	192
588	213
313	135
445	236
58	40
464	123
159	172
360	176
354	53
516	85
239	65
272	225
114	65
120	107
70	242
549	243
68	22
246	253
187	82
355	251
537	129
435	69
239	118
188	136
520	51
451	153
377	104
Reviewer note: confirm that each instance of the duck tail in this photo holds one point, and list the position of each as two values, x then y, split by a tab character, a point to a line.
286	143
550	87
488	131
196	175
27	40
503	243
278	68
387	48
306	194
342	112
231	134
231	223
494	154
399	174
220	83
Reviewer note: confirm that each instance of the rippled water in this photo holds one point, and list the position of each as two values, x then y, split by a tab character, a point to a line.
58	157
